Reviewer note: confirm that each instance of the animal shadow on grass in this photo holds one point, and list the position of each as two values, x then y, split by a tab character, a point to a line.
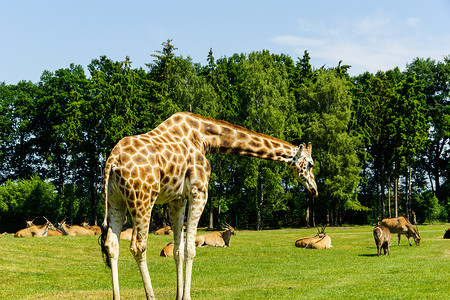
368	255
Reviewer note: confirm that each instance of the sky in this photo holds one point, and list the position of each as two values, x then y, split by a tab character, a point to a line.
368	35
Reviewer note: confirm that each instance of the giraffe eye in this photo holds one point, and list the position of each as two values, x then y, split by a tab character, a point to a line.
310	165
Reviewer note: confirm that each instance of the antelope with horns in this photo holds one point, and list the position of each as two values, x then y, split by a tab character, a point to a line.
319	241
382	237
401	225
35	230
216	238
74	229
303	242
95	228
50	231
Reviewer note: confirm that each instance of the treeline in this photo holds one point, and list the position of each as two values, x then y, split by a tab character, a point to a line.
380	141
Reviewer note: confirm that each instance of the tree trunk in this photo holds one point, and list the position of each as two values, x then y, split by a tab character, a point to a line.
211	217
396	195
389	198
307	211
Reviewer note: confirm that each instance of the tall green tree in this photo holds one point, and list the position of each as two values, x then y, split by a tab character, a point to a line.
18	157
325	117
435	76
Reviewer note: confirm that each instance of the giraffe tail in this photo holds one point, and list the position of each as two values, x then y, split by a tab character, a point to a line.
105	224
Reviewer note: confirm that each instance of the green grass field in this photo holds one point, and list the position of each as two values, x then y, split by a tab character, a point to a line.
258	265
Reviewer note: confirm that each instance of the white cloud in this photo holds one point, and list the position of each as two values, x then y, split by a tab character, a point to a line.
370	43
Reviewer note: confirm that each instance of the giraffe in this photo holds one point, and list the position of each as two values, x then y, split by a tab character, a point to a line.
169	165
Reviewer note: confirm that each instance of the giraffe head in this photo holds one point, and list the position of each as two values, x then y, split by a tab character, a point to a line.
302	167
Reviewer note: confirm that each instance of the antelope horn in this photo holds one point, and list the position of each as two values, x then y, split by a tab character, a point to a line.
45	219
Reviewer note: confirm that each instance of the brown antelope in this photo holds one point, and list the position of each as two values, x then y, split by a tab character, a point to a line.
50	231
29	223
216	238
382	237
166	230
320	241
74	229
126	234
401	225
303	242
167	251
35	230
95	228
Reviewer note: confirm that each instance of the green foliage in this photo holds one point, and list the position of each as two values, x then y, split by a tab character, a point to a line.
367	131
22	200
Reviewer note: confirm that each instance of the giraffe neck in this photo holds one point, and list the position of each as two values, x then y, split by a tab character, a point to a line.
225	138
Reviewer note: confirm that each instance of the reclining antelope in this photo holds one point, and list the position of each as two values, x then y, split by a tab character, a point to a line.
401	225
216	238
167	251
95	228
74	229
126	234
50	232
35	230
382	237
166	230
319	241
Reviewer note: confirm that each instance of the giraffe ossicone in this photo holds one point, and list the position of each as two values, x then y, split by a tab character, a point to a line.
169	165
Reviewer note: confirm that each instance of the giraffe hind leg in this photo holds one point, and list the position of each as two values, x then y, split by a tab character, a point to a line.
111	229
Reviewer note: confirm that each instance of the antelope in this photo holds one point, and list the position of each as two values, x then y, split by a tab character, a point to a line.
320	241
401	225
35	230
126	234
216	238
50	231
95	228
166	230
167	251
303	242
74	229
382	237
29	223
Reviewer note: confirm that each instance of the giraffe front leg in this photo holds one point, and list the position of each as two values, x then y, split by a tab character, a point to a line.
138	248
196	206
176	212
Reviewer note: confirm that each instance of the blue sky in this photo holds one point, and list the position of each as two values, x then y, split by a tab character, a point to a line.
368	35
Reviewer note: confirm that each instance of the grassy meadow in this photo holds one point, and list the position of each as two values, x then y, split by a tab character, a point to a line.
258	265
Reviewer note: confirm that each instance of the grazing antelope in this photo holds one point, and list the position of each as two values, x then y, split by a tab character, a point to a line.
95	228
35	230
169	165
401	225
216	238
167	251
166	230
382	237
74	229
126	234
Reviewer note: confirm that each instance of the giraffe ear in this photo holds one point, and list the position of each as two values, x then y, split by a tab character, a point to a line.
300	150
309	149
